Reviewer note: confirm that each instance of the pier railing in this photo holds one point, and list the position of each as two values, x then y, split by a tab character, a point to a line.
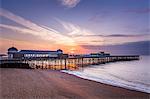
67	63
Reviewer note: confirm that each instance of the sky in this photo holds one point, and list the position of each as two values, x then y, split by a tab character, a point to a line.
71	25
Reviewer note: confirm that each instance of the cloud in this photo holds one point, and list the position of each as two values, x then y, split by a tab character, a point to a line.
19	29
35	29
69	3
122	35
129	48
97	39
113	35
84	36
73	29
47	33
75	32
100	16
138	11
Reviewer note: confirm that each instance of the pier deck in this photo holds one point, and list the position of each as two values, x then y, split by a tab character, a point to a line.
66	63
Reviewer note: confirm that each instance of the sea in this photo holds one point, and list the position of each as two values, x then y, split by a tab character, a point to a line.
134	75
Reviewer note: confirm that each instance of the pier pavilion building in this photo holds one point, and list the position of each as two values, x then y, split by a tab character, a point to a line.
13	53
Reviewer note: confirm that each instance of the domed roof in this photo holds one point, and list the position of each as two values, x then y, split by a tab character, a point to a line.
59	50
12	49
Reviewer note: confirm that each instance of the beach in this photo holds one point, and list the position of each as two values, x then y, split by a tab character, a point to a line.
50	84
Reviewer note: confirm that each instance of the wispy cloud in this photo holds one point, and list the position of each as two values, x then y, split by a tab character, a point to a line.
74	35
138	11
122	35
35	29
50	34
79	35
97	39
99	16
113	35
73	29
69	3
84	36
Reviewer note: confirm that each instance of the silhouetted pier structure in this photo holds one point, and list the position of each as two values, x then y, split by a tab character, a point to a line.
68	63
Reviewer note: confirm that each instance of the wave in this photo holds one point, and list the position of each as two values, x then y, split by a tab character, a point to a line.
118	82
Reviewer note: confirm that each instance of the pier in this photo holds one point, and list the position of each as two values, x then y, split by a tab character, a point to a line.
66	63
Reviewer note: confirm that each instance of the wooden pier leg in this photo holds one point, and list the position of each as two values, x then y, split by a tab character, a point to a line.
82	62
42	63
55	64
92	61
65	64
75	63
50	64
61	64
98	61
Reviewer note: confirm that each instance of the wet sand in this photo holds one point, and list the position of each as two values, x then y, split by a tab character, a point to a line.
48	84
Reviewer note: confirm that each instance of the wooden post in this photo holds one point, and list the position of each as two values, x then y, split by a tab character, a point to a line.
82	61
65	64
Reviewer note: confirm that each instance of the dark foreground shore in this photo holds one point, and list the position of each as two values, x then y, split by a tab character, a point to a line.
48	84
